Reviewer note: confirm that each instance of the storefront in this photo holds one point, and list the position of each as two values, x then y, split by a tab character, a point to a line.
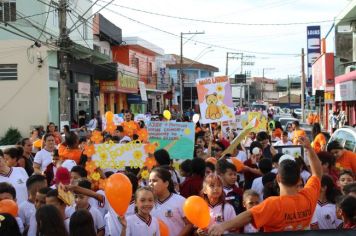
345	95
113	94
155	101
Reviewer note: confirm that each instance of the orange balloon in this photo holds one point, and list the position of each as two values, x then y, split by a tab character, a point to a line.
211	160
238	164
118	190
197	211
37	143
9	206
163	228
109	116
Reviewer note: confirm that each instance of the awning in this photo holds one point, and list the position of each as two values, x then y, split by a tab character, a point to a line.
346	77
135	99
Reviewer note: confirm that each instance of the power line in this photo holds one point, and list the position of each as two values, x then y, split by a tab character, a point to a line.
200	42
221	22
38	14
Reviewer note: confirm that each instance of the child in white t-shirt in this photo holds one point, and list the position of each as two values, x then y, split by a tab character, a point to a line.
141	223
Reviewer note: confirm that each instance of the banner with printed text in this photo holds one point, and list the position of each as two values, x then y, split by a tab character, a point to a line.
175	137
215	99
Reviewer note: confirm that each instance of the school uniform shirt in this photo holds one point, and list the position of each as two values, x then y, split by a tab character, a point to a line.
290	212
220	213
170	211
99	223
20	224
233	195
17	177
103	207
242	156
305	175
325	216
113	226
250	229
43	158
138	226
257	185
26	210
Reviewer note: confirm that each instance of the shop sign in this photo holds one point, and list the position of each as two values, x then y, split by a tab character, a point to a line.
108	86
323	73
143	91
313	50
345	91
127	82
83	88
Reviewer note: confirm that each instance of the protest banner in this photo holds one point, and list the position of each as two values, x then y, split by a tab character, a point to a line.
215	99
176	137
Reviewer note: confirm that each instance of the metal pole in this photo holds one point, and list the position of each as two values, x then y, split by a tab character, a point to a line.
248	95
263	83
288	91
63	62
181	73
303	86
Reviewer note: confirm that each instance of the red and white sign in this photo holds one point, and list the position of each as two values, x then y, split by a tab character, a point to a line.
323	73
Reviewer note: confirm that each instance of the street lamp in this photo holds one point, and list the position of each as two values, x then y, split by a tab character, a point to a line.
263	82
181	67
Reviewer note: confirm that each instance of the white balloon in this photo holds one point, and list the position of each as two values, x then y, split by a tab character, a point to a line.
196	118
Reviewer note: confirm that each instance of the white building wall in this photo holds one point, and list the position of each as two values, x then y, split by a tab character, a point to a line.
23	102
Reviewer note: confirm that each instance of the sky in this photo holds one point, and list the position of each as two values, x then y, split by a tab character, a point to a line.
268	44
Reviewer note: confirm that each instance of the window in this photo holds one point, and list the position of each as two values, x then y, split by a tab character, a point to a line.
8	71
7	10
85	28
55	18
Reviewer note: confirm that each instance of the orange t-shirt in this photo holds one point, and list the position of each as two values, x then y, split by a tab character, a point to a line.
277	133
318	142
347	161
288	213
130	128
297	134
69	154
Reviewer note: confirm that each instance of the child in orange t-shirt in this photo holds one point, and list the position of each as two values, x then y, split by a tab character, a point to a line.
344	159
293	209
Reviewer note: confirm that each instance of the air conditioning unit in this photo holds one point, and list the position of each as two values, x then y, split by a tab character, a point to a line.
348	69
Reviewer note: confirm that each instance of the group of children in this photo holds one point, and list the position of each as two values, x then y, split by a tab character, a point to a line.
268	189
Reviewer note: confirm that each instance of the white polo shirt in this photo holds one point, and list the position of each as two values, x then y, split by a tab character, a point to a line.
26	210
138	226
112	224
257	185
218	215
325	216
43	158
17	177
170	211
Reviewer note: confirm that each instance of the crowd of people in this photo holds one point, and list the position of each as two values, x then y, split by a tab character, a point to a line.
271	192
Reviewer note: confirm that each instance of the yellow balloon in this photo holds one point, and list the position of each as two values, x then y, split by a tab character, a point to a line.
167	114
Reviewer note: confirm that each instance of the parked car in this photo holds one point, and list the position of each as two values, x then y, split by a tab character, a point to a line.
346	136
298	112
285	120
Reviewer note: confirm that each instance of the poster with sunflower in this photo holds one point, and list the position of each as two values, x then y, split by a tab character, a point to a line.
175	137
117	156
215	99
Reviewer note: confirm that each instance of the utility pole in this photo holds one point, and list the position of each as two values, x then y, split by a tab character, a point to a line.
181	68
63	62
288	92
303	85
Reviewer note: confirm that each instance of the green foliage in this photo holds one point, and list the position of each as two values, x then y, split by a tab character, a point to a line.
12	136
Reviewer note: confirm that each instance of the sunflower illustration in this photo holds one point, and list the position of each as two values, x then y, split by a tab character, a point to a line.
145	174
137	155
219	88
